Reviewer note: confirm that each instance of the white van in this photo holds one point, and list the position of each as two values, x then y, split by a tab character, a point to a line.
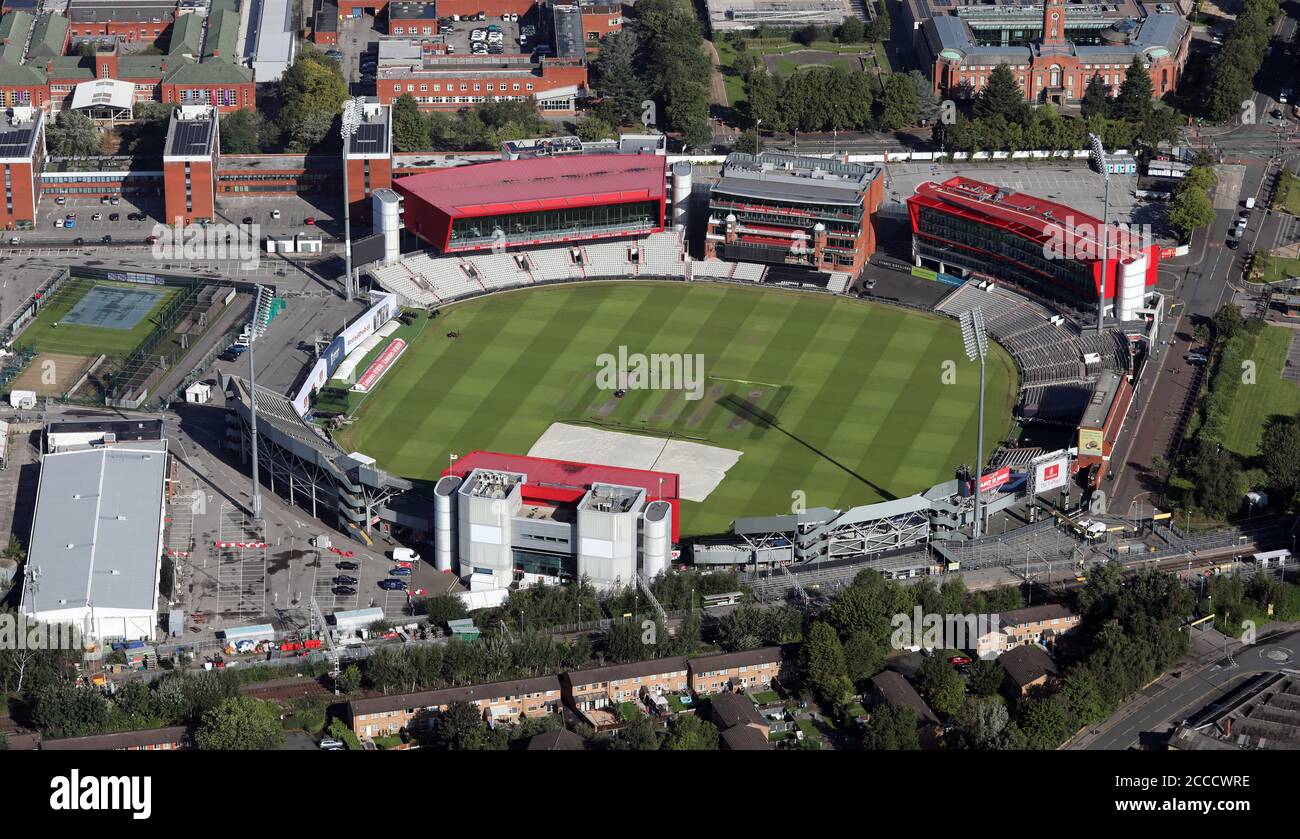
22	399
1250	203
405	555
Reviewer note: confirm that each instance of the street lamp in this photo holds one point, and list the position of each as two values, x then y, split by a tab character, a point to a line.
352	117
1099	152
976	340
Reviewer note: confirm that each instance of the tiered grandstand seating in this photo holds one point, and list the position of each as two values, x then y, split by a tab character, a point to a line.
1055	381
751	271
713	269
839	282
552	264
498	270
609	259
661	255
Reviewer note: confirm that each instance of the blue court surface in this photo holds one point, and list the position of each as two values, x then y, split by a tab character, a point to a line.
111	307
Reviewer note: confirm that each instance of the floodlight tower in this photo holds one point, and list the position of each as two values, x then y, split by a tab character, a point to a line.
352	117
1099	152
256	505
976	339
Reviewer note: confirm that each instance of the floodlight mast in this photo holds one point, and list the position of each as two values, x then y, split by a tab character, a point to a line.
352	114
975	338
1099	152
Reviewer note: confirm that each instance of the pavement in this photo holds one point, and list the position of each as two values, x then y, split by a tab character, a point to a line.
1216	665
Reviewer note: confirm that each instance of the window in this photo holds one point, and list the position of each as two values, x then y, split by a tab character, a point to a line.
397	30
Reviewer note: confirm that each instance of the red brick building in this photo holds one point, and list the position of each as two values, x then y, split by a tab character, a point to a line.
1053	50
22	157
451	82
746	670
190	165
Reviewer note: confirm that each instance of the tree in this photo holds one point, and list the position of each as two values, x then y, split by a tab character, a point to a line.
1228	322
461	729
851	31
443	608
1189	211
1001	96
240	724
637	736
350	679
241	132
823	663
1045	723
863	656
72	134
1134	100
1219	485
941	686
615	76
1280	449
743	628
986	677
808	35
899	105
410	128
592	128
747	143
690	733
891	728
928	104
623	642
1095	103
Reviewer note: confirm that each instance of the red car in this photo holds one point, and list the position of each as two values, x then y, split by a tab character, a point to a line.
309	220
959	661
402	564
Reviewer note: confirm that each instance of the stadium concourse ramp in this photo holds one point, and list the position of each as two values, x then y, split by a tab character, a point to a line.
423	280
299	463
1058	363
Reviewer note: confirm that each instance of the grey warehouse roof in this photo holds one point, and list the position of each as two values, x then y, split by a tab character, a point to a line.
95	537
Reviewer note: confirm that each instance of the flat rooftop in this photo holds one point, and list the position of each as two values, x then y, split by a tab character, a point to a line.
99	11
785	177
485	483
1103	395
748	14
18	132
516	186
608	498
95	535
192	132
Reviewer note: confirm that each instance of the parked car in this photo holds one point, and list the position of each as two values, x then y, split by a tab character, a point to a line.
70	222
959	660
345	580
400	572
346	566
115	201
60	200
103	199
393	585
78	241
97	217
248	220
405	556
275	214
309	220
150	239
329	744
108	240
344	591
114	217
58	222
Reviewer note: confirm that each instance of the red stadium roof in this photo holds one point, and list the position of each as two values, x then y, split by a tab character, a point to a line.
1028	216
553	183
566	480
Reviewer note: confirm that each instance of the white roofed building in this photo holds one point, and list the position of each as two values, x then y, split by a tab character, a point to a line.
95	553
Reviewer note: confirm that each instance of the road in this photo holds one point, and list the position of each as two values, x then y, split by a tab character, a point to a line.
1171	700
1198	284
